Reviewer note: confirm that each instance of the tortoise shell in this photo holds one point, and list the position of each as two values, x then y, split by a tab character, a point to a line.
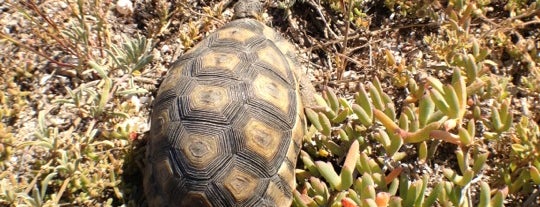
227	122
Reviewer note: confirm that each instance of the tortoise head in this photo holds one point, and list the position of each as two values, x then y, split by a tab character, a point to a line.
248	9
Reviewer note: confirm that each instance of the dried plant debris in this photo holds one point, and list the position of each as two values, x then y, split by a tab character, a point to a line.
429	103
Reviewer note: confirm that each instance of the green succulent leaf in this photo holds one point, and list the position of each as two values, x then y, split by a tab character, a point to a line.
479	162
498	199
331	99
313	118
325	124
362	115
485	195
349	165
327	171
425	110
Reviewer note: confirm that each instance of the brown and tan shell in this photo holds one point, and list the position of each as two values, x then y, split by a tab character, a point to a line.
227	123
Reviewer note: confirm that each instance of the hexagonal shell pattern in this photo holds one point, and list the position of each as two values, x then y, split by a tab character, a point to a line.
199	149
272	91
240	184
212	98
227	123
262	139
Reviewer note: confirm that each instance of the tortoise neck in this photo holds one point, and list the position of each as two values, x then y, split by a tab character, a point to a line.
248	9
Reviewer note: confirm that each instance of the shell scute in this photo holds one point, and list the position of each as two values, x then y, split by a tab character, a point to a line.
227	122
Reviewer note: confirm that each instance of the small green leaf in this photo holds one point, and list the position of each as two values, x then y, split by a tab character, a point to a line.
325	124
460	87
452	100
319	186
485	195
466	178
333	147
349	166
361	96
393	187
422	152
497	200
440	101
519	148
368	188
462	160
471	68
329	174
313	117
386	121
383	138
422	191
362	115
297	200
376	98
435	83
430	200
344	103
425	109
479	162
420	135
535	174
395	202
331	98
496	120
343	135
308	163
464	136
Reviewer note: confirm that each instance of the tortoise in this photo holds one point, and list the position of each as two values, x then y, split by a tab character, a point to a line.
228	120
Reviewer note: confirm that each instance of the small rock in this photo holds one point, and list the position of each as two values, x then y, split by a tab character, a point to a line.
165	49
124	7
63	5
